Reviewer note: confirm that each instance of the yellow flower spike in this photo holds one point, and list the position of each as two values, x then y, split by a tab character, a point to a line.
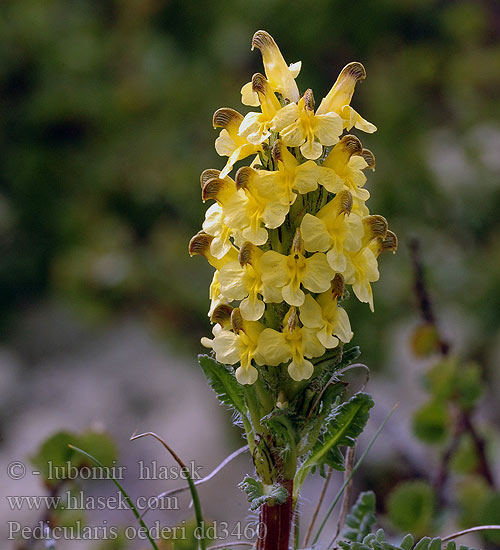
262	206
339	98
295	343
298	126
333	230
255	126
347	163
238	345
281	76
330	321
230	143
295	270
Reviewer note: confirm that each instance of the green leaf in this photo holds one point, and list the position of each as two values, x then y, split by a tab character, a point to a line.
491	516
258	493
472	495
361	519
100	445
343	426
53	456
469	385
223	382
411	507
378	542
430	422
465	459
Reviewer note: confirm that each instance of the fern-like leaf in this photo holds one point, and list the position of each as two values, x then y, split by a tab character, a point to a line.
343	426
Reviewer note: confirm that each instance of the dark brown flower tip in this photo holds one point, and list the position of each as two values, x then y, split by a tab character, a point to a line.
207	175
227	117
200	244
222	315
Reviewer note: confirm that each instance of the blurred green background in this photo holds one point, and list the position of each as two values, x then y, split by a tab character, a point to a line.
105	127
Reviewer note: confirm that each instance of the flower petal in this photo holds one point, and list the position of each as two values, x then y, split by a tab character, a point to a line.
273	267
328	128
306	177
315	234
311	149
284	117
252	310
293	295
248	96
317	274
300	369
272	347
310	313
246	375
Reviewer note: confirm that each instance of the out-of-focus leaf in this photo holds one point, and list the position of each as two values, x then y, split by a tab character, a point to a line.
411	507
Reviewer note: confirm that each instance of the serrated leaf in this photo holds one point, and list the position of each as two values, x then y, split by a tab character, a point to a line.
361	519
378	541
343	426
224	384
258	493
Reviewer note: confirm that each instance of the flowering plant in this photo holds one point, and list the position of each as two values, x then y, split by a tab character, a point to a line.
289	236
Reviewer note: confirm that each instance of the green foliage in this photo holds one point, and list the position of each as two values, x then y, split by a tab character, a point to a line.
450	380
465	458
378	542
343	426
223	382
361	519
55	457
431	422
411	507
258	493
357	534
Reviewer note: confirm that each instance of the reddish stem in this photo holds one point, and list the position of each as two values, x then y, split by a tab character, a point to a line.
276	523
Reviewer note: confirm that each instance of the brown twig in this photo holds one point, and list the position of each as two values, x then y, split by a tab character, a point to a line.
318	505
463	420
424	301
346	501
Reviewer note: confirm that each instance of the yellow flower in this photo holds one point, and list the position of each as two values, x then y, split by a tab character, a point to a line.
228	217
345	163
295	343
237	345
282	185
255	126
298	126
291	272
362	266
333	230
280	76
325	316
200	244
230	143
339	98
241	280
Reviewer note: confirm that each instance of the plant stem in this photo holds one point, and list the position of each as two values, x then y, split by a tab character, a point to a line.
276	523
